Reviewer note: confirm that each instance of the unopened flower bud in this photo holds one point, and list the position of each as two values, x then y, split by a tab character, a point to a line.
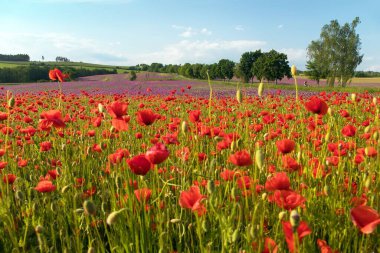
260	89
89	207
113	217
210	186
100	108
294	219
11	102
175	220
184	127
239	96
39	229
293	70
353	97
374	100
281	215
259	158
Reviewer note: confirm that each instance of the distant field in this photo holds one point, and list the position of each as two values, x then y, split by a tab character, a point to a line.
10	64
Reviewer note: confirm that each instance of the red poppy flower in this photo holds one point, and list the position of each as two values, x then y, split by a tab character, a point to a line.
302	231
285	146
349	131
227	175
52	117
9	179
270	246
365	218
56	74
118	111
139	165
324	247
45	146
317	105
143	194
191	199
279	181
290	164
288	199
157	154
45	186
146	117
3	116
194	116
241	158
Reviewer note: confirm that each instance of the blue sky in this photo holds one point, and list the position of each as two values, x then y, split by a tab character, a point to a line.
128	32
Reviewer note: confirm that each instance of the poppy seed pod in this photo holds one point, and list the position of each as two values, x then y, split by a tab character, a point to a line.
113	217
184	127
293	70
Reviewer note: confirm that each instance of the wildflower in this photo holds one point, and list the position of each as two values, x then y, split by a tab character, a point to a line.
280	181
146	117
241	158
56	74
317	106
285	146
139	165
45	186
157	154
302	231
118	111
365	218
191	199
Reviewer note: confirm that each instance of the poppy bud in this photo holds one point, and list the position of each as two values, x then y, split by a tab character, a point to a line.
11	102
259	158
329	111
19	195
366	130
367	182
65	188
281	215
39	229
326	190
353	97
184	127
260	89
89	207
100	108
374	100
91	250
327	136
294	219
375	135
239	96
235	235
210	186
293	70
264	196
113	217
175	220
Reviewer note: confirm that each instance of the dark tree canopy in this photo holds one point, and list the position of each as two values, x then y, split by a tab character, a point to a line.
246	62
271	66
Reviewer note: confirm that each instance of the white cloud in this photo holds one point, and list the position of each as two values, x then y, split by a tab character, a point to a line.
188	32
51	45
202	51
239	28
373	68
295	55
280	26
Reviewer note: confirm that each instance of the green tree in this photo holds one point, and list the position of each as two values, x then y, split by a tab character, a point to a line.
337	53
246	62
226	69
133	76
271	66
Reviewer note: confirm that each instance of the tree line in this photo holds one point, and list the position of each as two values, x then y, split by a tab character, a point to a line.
40	73
271	66
15	57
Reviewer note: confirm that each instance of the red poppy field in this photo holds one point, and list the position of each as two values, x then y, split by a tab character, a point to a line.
184	173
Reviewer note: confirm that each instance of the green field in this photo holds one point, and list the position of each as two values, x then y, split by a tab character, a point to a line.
10	64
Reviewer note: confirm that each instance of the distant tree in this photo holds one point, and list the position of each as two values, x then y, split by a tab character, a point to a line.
214	71
337	53
196	69
16	57
271	66
315	71
61	59
133	76
226	69
156	67
245	65
43	58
